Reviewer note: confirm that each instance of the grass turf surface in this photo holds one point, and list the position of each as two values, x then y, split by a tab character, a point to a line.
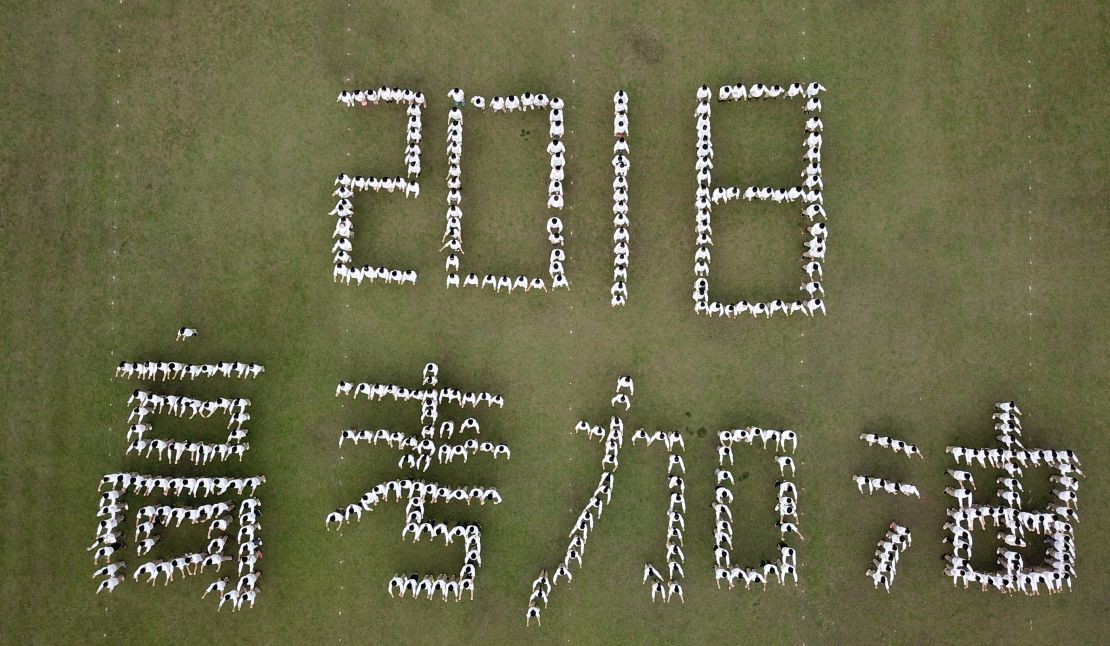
164	165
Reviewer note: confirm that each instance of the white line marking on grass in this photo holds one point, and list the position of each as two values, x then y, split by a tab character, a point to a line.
1029	184
348	80
114	295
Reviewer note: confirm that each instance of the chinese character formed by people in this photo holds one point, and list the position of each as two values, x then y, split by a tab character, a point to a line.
419	452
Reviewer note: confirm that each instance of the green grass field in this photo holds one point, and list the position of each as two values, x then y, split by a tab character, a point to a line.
168	164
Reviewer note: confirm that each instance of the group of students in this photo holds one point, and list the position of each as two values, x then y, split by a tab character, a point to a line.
218	516
344	229
670	586
150	518
417	493
511	103
741	92
414	103
556	149
808	192
897	539
146	485
428	397
612	439
896	445
420	452
151	370
412	489
342	269
619	291
249	545
153	403
174	450
890	547
786	565
1054	524
109	540
874	483
383	94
